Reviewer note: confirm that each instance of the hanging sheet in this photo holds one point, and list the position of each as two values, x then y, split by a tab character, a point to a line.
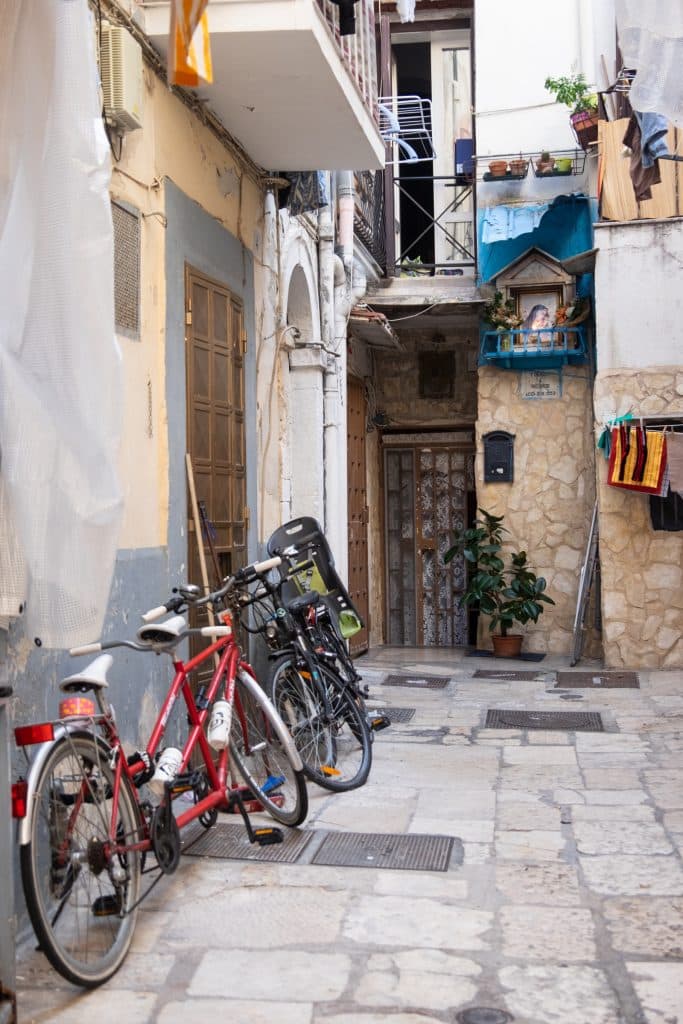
60	376
651	42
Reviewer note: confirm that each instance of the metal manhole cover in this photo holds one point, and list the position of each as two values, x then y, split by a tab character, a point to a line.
504	674
420	682
370	850
613	680
230	842
572	721
393	714
483	1015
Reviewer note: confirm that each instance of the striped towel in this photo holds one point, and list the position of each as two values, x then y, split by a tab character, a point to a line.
190	63
626	466
674	447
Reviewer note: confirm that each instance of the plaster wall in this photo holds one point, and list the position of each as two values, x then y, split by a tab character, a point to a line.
549	504
641	569
639	300
517	46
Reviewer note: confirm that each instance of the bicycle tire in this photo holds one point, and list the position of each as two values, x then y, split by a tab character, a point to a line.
84	919
264	754
350	758
302	709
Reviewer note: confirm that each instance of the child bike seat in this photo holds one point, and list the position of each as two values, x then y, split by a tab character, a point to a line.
93	676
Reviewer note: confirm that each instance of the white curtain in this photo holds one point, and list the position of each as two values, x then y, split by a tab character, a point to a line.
651	41
406	10
60	372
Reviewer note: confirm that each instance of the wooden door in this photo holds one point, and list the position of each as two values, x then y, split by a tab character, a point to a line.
357	509
429	488
215	346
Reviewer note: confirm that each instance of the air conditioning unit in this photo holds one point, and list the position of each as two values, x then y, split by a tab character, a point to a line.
121	73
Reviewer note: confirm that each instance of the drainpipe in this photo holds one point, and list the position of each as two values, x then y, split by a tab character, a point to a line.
346	199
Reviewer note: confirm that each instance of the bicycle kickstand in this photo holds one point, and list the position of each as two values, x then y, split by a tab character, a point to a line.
262	836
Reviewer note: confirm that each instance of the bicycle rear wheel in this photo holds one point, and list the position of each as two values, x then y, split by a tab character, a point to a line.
302	708
265	755
80	896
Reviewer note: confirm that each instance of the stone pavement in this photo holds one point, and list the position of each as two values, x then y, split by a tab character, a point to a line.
562	904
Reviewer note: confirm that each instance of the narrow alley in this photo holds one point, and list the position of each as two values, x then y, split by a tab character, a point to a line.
556	896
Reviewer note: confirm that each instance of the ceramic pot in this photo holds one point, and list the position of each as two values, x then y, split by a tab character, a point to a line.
563	164
508	646
498	168
518	167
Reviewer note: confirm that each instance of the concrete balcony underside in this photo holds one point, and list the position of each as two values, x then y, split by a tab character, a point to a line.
280	85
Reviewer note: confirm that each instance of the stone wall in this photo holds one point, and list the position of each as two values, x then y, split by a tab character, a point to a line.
548	506
642	574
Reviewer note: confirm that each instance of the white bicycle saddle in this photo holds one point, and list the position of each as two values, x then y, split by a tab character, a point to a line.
93	676
162	632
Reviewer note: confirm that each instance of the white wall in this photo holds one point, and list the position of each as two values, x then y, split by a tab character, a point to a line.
517	46
639	299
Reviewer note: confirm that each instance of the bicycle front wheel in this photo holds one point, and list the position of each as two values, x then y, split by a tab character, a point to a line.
350	735
81	893
301	706
265	755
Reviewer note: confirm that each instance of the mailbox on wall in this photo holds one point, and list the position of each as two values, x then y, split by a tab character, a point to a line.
498	457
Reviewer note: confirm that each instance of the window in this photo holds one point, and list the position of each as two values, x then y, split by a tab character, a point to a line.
436	374
126	269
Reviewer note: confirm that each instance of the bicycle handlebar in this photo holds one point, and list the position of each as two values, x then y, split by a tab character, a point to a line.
75	652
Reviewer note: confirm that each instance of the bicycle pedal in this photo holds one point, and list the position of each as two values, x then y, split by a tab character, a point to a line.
328	770
272	782
379	722
106	906
268	836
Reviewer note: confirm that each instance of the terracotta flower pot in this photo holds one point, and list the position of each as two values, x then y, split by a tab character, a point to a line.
518	167
498	168
507	646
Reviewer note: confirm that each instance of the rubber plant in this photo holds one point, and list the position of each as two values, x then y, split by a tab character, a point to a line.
508	592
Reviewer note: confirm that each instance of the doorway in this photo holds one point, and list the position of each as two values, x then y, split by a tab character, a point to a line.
429	493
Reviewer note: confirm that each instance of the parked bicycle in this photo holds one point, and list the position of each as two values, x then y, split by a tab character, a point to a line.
86	831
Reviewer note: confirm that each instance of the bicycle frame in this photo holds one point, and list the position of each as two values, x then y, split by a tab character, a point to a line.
229	665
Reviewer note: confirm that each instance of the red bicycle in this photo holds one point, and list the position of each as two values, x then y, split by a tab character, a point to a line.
88	825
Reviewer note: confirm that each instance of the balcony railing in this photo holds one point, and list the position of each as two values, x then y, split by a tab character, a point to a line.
441	229
527	349
359	50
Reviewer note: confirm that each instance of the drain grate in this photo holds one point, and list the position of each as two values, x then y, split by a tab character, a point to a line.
503	675
394	714
369	850
483	1015
572	721
230	842
613	680
420	682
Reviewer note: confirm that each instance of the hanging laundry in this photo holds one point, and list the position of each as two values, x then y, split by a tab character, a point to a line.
646	138
190	64
638	459
307	193
502	222
674	447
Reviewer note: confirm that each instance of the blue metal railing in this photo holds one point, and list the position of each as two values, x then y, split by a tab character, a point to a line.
526	349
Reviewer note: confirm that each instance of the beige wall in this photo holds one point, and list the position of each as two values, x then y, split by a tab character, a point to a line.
642	569
549	505
172	144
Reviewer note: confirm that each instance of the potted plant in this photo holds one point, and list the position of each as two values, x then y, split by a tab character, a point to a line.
507	593
502	315
545	163
575	92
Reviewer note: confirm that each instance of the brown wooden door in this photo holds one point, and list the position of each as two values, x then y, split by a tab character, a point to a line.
215	346
357	509
428	494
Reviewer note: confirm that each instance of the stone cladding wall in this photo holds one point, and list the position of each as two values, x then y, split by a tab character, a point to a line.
548	507
642	569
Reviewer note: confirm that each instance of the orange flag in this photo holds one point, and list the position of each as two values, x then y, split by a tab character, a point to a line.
190	57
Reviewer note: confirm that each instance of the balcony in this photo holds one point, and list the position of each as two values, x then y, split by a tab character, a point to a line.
295	93
524	349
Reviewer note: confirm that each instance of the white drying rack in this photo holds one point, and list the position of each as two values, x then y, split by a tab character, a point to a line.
407	121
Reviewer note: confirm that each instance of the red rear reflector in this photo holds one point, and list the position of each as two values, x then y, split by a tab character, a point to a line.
19	793
25	735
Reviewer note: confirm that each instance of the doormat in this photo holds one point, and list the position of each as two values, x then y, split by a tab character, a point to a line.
502	675
613	680
401	852
420	682
524	656
393	714
570	721
230	842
